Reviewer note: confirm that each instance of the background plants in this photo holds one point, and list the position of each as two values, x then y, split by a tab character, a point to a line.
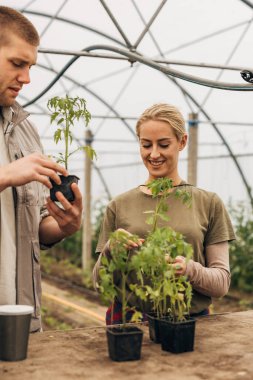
241	250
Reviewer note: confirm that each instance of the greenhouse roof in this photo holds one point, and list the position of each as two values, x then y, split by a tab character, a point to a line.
123	56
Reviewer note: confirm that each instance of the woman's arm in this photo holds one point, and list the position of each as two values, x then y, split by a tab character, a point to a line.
95	273
213	280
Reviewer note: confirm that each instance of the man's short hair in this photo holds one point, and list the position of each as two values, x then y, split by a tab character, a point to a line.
14	22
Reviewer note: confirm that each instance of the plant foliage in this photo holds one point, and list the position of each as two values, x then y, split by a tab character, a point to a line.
157	282
169	293
241	250
120	260
65	112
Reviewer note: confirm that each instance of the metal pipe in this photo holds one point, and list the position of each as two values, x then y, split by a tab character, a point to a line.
128	43
165	61
146	29
248	3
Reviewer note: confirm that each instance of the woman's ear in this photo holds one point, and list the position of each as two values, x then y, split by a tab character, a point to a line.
183	142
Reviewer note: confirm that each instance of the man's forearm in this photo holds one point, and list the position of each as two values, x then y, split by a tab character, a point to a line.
49	231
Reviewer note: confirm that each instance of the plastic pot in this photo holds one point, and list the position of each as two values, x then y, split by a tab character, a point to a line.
153	326
177	337
64	187
124	344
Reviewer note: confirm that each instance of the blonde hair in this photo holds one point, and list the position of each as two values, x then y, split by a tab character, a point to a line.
164	112
13	22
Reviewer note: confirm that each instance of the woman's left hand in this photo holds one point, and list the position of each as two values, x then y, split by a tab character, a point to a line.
180	265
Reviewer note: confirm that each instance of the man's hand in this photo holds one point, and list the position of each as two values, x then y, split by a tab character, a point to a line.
34	167
68	218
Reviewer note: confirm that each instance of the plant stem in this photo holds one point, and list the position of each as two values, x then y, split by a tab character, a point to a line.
123	292
157	209
66	140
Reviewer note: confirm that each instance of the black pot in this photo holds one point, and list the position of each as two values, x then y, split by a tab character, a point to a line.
177	337
153	326
124	344
64	187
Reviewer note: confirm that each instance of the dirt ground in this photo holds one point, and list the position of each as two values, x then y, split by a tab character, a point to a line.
223	350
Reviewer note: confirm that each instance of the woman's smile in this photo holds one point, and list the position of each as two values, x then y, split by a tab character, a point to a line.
156	163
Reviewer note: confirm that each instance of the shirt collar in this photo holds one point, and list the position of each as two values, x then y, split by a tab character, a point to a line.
7	114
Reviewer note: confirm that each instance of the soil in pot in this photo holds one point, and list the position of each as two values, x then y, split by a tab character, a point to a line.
64	187
124	344
177	337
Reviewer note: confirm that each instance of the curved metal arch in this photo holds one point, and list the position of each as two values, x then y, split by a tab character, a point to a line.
248	3
75	23
93	94
187	95
136	57
245	182
184	91
148	62
173	79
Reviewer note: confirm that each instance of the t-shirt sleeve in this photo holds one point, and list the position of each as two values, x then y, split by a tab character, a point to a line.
220	227
107	226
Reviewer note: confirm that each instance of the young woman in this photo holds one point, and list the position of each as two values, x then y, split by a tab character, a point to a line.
205	225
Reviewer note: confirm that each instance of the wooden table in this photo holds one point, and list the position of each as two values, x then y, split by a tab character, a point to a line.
223	350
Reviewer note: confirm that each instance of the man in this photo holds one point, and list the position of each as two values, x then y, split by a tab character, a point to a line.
26	222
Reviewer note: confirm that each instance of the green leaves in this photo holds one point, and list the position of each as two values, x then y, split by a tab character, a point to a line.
70	108
184	195
57	135
121	260
157	281
241	250
160	186
66	112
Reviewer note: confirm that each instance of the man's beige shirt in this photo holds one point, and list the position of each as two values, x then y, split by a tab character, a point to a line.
7	225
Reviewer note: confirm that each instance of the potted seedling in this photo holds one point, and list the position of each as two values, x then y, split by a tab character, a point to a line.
169	294
124	341
65	112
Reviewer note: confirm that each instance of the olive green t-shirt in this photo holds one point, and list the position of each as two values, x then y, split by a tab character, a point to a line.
204	223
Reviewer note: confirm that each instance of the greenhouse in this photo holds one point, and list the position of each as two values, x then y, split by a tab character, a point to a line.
114	60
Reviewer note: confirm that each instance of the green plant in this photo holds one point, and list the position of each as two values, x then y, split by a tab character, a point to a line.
65	111
158	283
51	322
120	260
241	250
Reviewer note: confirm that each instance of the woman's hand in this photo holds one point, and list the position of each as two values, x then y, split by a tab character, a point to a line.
178	263
130	243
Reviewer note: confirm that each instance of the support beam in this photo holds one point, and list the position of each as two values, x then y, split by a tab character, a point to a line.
193	148
87	233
